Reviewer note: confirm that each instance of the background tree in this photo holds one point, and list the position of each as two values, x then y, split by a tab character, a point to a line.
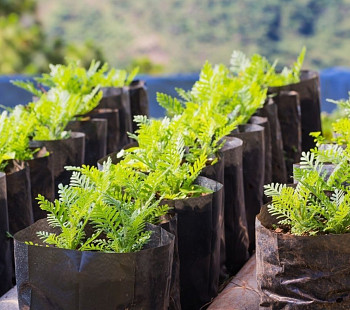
182	34
25	48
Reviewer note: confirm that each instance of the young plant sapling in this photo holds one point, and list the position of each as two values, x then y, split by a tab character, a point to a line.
258	69
16	128
92	200
56	108
317	205
161	155
77	80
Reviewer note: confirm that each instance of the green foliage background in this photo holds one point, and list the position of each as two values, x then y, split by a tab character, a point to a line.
172	35
26	48
181	34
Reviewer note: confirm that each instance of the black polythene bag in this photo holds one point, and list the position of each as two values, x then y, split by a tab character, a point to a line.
19	201
236	227
309	94
270	110
19	198
65	152
301	272
95	130
5	247
253	173
113	156
138	100
289	116
216	172
118	98
113	126
263	121
199	243
327	170
169	223
42	182
52	278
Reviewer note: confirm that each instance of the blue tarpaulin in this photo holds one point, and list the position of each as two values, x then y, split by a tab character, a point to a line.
335	84
11	95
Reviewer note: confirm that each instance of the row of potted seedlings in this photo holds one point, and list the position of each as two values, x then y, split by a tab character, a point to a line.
199	172
38	140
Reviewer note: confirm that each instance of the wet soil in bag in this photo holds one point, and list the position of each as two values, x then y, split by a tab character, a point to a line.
65	152
263	121
52	278
270	110
236	227
118	98
169	223
5	247
42	181
253	173
301	272
139	103
309	94
95	131
19	198
199	243
289	116
113	127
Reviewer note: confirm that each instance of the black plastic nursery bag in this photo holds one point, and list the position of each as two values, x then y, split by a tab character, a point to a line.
118	98
290	120
5	248
253	173
113	156
113	126
95	131
42	182
169	223
199	245
52	278
19	198
236	227
263	121
301	272
327	169
138	100
216	172
270	110
309	94
65	152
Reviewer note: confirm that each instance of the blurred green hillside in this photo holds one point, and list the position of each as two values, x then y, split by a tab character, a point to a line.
179	35
24	46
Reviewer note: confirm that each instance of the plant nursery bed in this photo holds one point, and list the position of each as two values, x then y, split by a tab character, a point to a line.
241	292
